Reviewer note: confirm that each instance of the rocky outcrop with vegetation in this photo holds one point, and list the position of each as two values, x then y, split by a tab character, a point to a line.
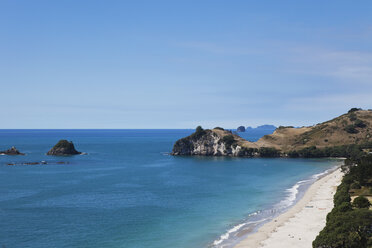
207	143
63	148
346	134
215	142
219	142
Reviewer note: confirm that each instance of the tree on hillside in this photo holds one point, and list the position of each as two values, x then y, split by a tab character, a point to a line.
361	202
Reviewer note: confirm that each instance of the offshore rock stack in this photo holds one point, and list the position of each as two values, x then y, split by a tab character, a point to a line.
63	148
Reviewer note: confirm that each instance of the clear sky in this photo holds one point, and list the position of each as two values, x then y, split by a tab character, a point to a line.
178	64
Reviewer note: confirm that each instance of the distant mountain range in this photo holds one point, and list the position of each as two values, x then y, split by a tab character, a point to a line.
267	128
262	127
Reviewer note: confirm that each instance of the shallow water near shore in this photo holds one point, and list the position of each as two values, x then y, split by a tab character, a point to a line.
128	192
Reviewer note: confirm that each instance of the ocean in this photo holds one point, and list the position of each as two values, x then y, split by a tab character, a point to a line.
127	191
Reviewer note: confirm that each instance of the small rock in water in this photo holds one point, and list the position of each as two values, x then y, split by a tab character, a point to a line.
12	151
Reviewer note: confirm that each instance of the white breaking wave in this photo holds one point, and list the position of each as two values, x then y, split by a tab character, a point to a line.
291	198
317	176
285	203
235	229
227	234
293	191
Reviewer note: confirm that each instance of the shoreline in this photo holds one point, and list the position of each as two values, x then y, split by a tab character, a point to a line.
300	224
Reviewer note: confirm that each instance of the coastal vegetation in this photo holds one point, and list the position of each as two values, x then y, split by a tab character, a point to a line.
361	202
349	224
268	152
346	151
228	140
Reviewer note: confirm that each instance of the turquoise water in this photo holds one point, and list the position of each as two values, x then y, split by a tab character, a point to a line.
128	192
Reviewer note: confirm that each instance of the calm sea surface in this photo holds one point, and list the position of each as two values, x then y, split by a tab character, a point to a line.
128	192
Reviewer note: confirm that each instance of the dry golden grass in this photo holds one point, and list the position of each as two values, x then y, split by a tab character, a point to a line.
329	133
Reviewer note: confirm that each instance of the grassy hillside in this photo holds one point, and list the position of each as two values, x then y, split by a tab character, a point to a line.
355	127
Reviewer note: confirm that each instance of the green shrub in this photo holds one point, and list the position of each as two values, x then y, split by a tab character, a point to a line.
352	116
349	151
355	186
228	140
293	154
343	207
360	123
199	131
342	195
268	152
351	129
361	202
354	110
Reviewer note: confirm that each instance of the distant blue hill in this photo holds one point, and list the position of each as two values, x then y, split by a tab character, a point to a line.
255	133
262	127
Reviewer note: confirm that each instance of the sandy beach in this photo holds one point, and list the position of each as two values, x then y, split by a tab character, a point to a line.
299	226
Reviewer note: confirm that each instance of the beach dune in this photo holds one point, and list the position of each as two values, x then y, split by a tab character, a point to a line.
299	226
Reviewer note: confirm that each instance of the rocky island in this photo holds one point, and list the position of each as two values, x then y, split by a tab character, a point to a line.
267	128
241	129
348	133
63	148
11	151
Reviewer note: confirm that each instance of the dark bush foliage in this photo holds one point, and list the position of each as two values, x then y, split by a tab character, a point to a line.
342	195
354	110
228	140
355	186
352	116
268	152
348	151
343	207
293	154
361	202
360	123
199	131
351	129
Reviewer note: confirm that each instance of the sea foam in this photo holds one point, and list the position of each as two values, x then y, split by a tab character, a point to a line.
288	201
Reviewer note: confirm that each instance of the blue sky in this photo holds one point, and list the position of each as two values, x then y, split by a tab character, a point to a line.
178	64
